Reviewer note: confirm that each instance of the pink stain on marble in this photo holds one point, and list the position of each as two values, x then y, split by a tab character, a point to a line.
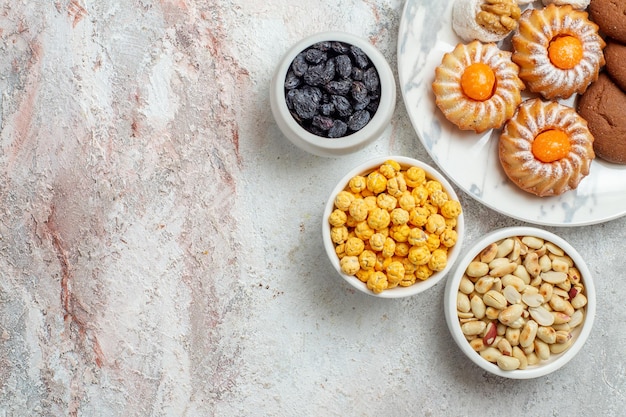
76	12
21	123
109	177
74	318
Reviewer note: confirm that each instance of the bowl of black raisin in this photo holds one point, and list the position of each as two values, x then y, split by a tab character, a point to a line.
332	94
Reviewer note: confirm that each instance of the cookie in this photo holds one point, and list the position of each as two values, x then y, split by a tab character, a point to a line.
610	15
604	107
615	55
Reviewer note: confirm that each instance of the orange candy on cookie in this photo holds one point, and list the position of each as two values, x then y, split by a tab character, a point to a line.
551	145
565	52
478	81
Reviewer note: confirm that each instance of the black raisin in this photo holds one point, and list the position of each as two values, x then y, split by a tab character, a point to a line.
339	87
357	73
360	58
327	109
358	91
338	130
340	47
323	45
358	120
289	98
314	92
362	103
304	101
370	79
342	105
314	76
329	71
299	65
315	56
343	65
372	106
291	81
315	130
322	122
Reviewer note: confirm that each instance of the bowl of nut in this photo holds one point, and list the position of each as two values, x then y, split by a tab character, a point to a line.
393	227
333	93
521	302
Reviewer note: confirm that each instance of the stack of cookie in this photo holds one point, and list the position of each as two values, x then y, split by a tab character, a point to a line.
603	105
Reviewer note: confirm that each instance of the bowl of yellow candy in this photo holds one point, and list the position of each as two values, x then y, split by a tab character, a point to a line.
393	227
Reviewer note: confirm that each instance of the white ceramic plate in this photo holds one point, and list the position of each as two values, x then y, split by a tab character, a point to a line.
471	160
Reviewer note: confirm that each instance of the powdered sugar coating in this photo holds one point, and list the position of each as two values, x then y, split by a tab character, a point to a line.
464	23
536	29
470	114
576	4
515	148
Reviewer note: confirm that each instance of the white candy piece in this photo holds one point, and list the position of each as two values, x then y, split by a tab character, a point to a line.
464	22
576	4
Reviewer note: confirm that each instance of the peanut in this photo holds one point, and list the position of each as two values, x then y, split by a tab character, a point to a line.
508	363
499	267
521	357
576	318
542	349
532	242
532	299
560	347
491	354
558	264
522	273
489	253
505	248
510	314
531	263
547	334
490	334
494	299
473	328
579	301
512	335
478	344
505	347
484	284
466	286
546	291
516	282
462	302
477	269
478	307
542	316
553	277
512	295
528	334
554	249
519	300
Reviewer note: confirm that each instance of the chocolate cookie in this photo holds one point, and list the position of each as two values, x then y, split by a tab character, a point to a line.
604	107
610	15
615	55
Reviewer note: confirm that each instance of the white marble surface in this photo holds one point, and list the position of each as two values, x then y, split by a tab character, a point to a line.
160	249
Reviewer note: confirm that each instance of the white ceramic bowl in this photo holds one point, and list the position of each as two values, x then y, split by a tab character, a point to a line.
397	292
319	145
579	334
